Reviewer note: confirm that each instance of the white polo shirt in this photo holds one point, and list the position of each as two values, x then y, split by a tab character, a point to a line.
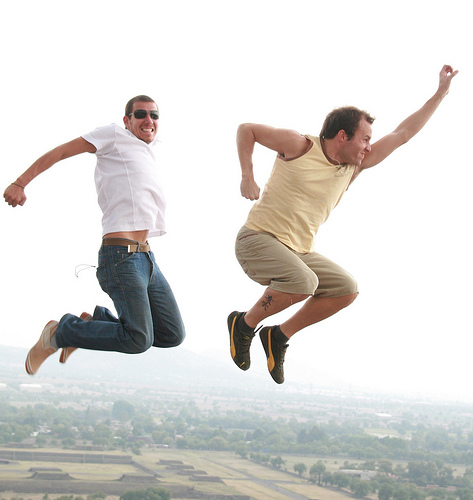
128	191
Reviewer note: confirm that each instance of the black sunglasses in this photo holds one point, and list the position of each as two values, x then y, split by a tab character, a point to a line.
139	114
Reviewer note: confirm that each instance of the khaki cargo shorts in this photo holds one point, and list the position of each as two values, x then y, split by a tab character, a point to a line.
271	263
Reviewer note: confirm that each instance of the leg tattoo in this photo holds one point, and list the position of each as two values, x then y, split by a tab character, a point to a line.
267	301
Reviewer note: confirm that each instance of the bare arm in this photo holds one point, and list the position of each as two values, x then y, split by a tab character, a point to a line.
15	193
286	142
411	125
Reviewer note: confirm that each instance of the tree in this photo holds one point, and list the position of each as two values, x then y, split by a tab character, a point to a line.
401	492
144	424
445	476
20	433
327	478
300	468
340	479
368	465
399	470
123	411
385	466
317	470
136	448
385	492
465	494
416	493
69	497
218	443
422	473
68	442
148	494
241	450
359	487
102	434
277	462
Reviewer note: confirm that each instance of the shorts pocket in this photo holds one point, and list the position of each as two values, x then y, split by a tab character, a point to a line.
244	265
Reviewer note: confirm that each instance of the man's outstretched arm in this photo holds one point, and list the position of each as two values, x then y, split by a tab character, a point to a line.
15	193
411	125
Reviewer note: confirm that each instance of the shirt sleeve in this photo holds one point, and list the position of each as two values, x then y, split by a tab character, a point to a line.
101	137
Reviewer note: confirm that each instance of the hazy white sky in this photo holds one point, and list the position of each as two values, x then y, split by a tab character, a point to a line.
403	229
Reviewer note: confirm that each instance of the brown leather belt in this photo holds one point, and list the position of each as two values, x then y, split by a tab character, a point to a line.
132	246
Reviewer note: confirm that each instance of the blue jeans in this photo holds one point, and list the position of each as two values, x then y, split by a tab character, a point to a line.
148	314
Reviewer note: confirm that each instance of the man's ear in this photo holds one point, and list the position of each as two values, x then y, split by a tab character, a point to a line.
126	121
342	136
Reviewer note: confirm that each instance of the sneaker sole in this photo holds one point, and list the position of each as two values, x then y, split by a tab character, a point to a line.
231	328
265	337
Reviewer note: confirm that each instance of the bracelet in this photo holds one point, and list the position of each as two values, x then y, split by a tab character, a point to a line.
15	184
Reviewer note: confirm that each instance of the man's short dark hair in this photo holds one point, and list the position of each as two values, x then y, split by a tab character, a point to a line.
345	118
138	98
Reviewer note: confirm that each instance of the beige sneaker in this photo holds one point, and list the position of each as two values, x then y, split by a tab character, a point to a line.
42	349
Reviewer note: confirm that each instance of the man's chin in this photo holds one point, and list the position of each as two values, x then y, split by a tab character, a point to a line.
148	139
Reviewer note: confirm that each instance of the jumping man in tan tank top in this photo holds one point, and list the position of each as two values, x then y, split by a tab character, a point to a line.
275	247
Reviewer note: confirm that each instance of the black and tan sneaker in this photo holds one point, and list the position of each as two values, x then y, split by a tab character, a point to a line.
239	341
275	352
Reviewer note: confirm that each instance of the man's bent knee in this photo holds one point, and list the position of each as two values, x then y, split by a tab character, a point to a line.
177	338
139	342
348	299
171	338
299	297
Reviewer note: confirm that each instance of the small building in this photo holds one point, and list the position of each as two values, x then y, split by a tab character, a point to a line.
366	475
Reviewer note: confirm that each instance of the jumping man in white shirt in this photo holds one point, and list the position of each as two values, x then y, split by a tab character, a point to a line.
133	209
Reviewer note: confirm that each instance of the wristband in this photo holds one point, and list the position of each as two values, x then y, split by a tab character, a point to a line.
15	184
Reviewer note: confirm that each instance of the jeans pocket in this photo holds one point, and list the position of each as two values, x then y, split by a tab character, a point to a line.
101	274
121	258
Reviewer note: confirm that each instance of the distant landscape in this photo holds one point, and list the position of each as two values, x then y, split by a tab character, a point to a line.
164	422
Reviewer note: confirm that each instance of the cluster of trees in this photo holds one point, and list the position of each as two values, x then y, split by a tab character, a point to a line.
391	489
424	445
245	433
147	494
397	483
94	496
390	483
242	431
266	459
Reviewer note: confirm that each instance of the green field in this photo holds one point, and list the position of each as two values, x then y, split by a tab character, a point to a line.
232	476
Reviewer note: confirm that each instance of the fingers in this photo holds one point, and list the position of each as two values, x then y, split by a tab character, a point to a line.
253	195
14	203
448	71
14	196
249	190
250	196
445	78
